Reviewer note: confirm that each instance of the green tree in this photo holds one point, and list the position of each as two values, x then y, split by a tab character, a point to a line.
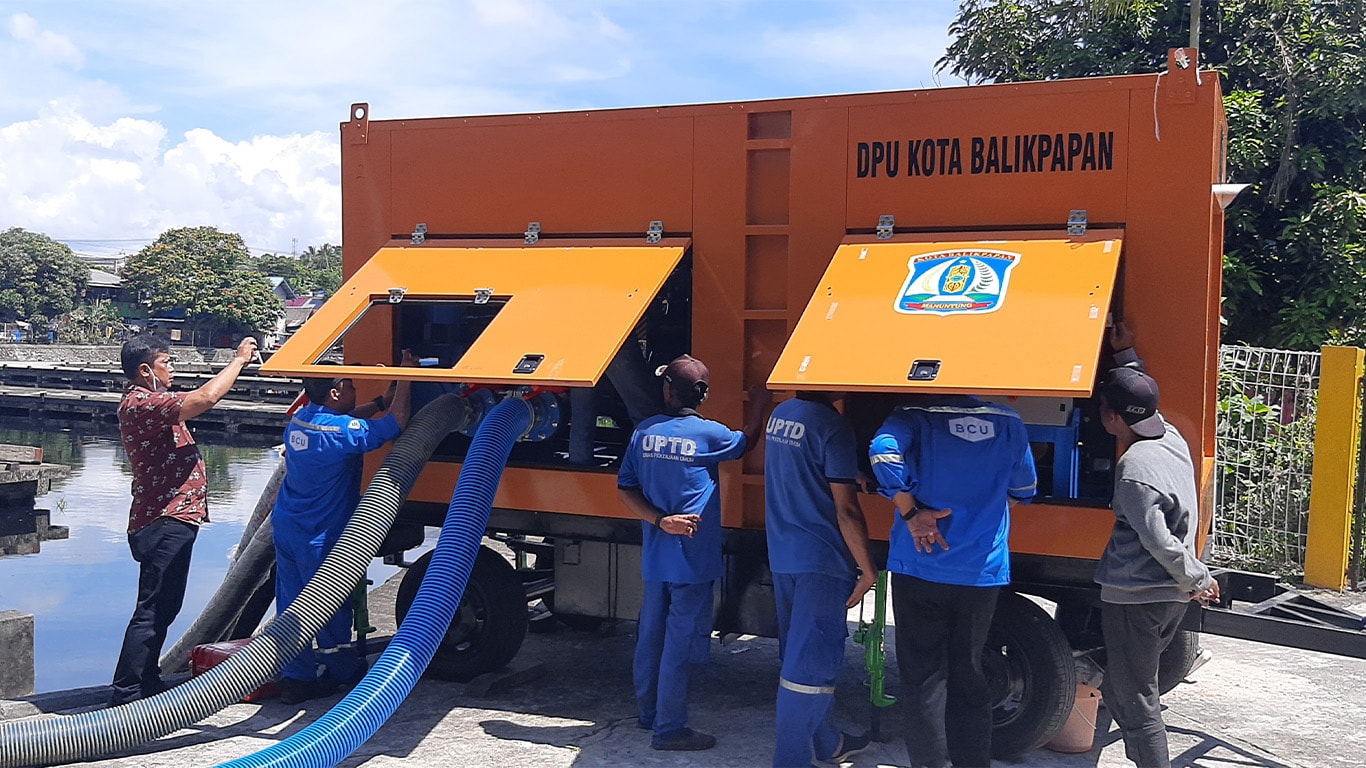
40	278
209	274
97	323
1295	250
316	269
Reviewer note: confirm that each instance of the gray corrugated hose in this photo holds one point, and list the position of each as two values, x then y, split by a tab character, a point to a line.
264	504
246	575
49	739
252	559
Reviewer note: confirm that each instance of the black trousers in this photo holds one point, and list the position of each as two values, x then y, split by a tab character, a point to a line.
941	630
1135	637
162	550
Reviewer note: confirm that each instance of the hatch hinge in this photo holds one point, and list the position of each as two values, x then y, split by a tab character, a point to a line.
886	226
419	234
532	233
1076	223
655	232
396	295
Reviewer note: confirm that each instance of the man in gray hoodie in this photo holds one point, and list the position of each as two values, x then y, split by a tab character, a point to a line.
1149	572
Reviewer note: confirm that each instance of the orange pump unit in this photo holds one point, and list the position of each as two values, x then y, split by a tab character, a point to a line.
969	240
774	200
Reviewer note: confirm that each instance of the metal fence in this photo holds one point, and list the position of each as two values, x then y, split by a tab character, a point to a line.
1268	400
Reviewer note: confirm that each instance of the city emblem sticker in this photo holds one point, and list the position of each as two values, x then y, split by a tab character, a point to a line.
959	282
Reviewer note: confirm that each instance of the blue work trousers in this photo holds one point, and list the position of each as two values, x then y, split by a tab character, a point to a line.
673	636
295	564
811	634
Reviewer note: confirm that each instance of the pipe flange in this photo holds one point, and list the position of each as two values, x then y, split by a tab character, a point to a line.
545	417
481	402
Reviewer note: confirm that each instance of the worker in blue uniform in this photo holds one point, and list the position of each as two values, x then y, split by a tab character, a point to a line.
324	445
953	466
668	478
822	566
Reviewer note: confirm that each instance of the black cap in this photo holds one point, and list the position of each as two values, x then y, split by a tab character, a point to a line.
1133	395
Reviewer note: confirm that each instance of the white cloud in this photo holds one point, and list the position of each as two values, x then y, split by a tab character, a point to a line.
120	120
72	179
308	59
44	44
882	52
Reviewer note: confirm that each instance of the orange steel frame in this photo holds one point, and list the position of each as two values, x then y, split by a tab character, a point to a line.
767	190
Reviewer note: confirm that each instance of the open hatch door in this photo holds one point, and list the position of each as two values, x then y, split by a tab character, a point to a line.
546	315
992	313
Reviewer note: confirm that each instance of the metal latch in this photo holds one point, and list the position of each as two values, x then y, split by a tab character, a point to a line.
528	364
482	295
924	370
396	295
532	233
886	223
1076	223
655	232
420	234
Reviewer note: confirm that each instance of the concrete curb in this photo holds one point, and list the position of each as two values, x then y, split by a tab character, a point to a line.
54	702
80	699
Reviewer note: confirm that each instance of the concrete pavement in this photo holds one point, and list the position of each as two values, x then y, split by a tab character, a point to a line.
1252	706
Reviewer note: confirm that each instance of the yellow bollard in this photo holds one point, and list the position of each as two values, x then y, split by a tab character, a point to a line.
1332	494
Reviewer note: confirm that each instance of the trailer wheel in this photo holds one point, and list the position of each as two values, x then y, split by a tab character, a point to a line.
1082	627
1031	676
489	625
1176	662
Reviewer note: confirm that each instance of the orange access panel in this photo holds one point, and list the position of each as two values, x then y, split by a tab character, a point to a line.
1001	313
558	314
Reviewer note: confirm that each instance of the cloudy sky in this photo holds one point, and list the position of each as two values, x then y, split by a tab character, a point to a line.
119	120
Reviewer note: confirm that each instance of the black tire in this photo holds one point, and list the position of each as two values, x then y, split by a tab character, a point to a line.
1081	624
1031	675
489	625
1176	662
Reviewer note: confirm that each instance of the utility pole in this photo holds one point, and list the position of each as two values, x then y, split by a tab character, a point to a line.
1195	30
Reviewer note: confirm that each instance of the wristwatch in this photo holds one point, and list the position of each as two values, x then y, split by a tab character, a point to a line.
379	402
911	513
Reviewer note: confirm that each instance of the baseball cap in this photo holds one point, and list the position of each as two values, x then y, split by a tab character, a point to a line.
1133	395
687	374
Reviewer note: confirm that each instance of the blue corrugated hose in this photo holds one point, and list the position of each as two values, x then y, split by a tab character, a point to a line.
48	740
357	716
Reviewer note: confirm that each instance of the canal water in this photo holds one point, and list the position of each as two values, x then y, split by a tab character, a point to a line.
81	590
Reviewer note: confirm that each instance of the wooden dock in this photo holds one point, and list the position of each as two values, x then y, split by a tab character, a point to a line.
265	389
68	406
71	396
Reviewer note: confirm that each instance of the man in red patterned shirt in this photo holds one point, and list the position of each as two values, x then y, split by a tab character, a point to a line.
170	498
